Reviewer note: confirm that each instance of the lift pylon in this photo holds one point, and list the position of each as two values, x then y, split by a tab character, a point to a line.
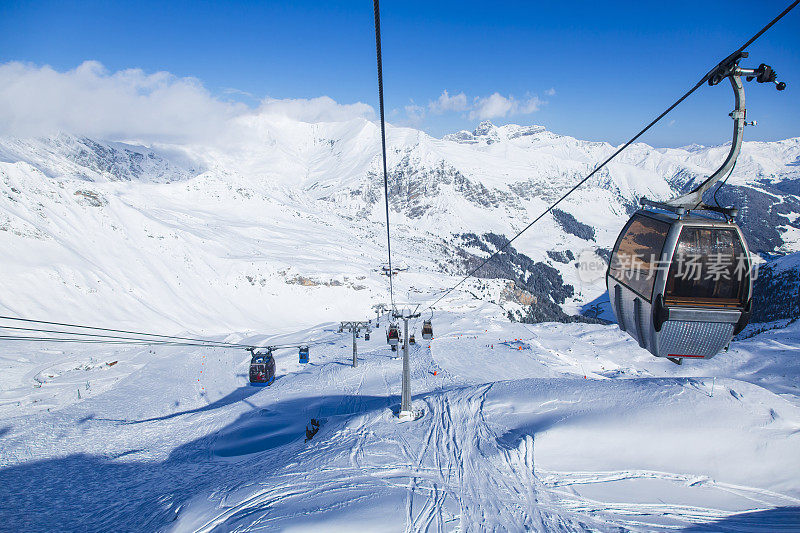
355	328
405	397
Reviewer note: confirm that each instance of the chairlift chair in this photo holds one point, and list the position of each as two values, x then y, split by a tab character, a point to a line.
303	354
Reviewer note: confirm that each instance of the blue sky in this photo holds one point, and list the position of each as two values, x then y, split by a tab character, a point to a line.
594	70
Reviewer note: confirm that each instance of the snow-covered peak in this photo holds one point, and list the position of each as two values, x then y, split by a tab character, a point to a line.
486	132
66	156
278	204
485	129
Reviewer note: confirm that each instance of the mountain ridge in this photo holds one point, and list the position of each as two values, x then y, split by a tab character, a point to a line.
187	226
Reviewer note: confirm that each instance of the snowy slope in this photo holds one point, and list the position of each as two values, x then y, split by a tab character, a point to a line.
280	224
273	235
560	427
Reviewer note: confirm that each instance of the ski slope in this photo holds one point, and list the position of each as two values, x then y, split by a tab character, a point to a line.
562	427
558	427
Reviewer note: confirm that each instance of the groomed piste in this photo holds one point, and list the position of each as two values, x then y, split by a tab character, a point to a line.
563	427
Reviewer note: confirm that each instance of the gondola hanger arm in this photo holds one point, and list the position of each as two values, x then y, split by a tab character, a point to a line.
730	69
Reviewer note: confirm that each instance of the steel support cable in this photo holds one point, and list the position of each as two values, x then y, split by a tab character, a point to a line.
63	324
617	152
144	342
287	346
768	26
383	141
109	341
96	338
114	337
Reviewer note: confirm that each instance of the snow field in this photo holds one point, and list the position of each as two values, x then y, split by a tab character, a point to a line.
512	437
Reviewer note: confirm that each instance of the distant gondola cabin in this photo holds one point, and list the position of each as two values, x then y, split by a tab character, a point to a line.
262	369
393	335
427	330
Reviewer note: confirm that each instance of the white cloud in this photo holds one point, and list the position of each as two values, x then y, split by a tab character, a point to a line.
160	107
550	92
91	101
493	106
320	109
445	102
499	106
415	113
131	104
531	105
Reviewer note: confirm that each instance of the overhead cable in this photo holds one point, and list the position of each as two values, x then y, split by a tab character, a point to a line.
383	142
633	139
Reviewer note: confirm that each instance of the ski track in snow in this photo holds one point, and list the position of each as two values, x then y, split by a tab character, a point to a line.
560	427
512	437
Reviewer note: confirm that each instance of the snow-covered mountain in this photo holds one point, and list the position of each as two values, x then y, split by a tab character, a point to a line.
273	236
281	225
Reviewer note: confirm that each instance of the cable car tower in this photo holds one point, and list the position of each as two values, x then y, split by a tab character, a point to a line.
356	328
405	398
379	310
679	279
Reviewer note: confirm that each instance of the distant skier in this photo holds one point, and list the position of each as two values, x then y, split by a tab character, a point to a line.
312	429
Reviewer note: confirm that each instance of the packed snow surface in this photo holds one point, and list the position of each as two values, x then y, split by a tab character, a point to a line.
272	237
560	427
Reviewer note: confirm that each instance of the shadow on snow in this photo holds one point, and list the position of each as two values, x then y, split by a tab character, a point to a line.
778	519
83	492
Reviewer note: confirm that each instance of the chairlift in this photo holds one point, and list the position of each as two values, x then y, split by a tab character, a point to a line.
262	367
679	279
303	353
411	339
366	335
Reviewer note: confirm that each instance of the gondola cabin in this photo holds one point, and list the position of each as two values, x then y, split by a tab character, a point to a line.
427	330
680	285
393	335
262	368
303	353
366	336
